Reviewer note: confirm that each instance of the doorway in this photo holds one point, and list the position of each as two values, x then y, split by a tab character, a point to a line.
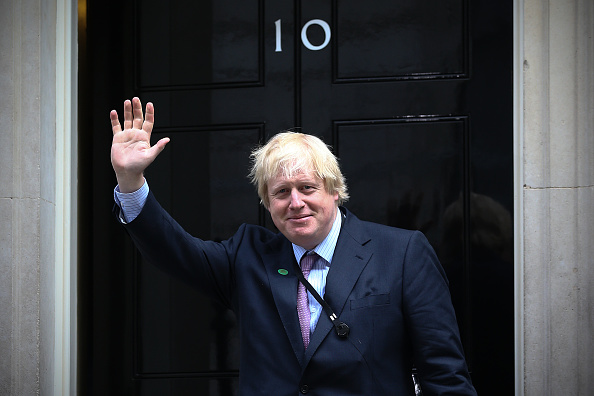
414	97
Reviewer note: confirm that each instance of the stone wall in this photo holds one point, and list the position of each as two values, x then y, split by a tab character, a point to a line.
27	196
558	197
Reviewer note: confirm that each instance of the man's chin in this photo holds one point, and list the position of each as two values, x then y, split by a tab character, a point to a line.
303	239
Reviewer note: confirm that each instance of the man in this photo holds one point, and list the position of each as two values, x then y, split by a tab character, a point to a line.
385	284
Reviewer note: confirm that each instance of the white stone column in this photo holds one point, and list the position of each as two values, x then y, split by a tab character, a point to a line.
558	198
34	216
21	199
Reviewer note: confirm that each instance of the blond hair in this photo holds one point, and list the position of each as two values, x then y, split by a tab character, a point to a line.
289	153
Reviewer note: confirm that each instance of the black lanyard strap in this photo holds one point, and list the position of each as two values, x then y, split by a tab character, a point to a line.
341	328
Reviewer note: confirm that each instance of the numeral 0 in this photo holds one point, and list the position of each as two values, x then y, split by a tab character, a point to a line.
323	24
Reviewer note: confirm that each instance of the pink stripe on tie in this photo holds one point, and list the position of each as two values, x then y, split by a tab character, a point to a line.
307	262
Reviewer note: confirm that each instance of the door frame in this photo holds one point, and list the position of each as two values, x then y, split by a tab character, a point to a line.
518	176
66	225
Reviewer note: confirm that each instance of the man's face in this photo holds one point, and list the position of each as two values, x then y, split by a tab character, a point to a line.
301	208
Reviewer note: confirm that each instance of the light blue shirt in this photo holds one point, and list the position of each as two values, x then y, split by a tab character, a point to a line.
131	205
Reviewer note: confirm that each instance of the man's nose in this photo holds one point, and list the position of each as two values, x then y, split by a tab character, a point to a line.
296	201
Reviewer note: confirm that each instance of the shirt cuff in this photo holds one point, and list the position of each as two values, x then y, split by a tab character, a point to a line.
130	204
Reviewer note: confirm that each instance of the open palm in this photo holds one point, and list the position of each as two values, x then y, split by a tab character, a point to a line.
131	150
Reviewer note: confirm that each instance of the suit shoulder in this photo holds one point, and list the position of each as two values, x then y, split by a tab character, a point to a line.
257	235
257	232
381	230
253	239
386	238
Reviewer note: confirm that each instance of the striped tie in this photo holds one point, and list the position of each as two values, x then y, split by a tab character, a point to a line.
307	262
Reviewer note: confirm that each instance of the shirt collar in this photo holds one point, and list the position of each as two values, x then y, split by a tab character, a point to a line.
326	248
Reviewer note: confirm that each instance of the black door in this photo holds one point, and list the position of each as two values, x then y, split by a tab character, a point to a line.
414	97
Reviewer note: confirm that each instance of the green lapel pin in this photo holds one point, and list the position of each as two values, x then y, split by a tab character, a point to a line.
283	271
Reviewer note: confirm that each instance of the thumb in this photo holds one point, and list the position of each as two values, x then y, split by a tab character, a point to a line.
158	147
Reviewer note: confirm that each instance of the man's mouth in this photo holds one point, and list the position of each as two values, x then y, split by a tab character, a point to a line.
299	217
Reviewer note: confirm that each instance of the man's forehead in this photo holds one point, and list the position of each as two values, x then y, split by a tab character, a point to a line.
295	176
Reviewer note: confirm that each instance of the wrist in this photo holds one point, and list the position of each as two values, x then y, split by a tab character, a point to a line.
129	183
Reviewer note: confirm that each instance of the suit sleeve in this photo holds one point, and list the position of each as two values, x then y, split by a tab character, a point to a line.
205	265
431	321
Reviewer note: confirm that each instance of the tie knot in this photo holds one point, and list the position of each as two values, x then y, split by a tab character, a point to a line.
307	262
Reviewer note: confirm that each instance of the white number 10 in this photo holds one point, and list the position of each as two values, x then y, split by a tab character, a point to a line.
323	24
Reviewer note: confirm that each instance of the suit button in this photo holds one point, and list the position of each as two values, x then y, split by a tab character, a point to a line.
304	389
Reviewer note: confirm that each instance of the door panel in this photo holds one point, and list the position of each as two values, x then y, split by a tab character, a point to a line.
184	45
405	40
403	172
415	99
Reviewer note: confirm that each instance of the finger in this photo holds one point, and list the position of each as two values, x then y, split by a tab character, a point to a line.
137	109
127	114
149	120
115	122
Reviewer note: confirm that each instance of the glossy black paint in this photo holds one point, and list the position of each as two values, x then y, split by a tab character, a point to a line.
414	97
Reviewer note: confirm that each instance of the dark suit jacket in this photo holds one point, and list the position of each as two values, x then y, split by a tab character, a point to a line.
385	283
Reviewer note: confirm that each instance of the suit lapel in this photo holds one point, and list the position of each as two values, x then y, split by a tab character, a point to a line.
349	260
280	263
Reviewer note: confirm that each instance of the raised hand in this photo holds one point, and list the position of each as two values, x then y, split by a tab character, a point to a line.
131	151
